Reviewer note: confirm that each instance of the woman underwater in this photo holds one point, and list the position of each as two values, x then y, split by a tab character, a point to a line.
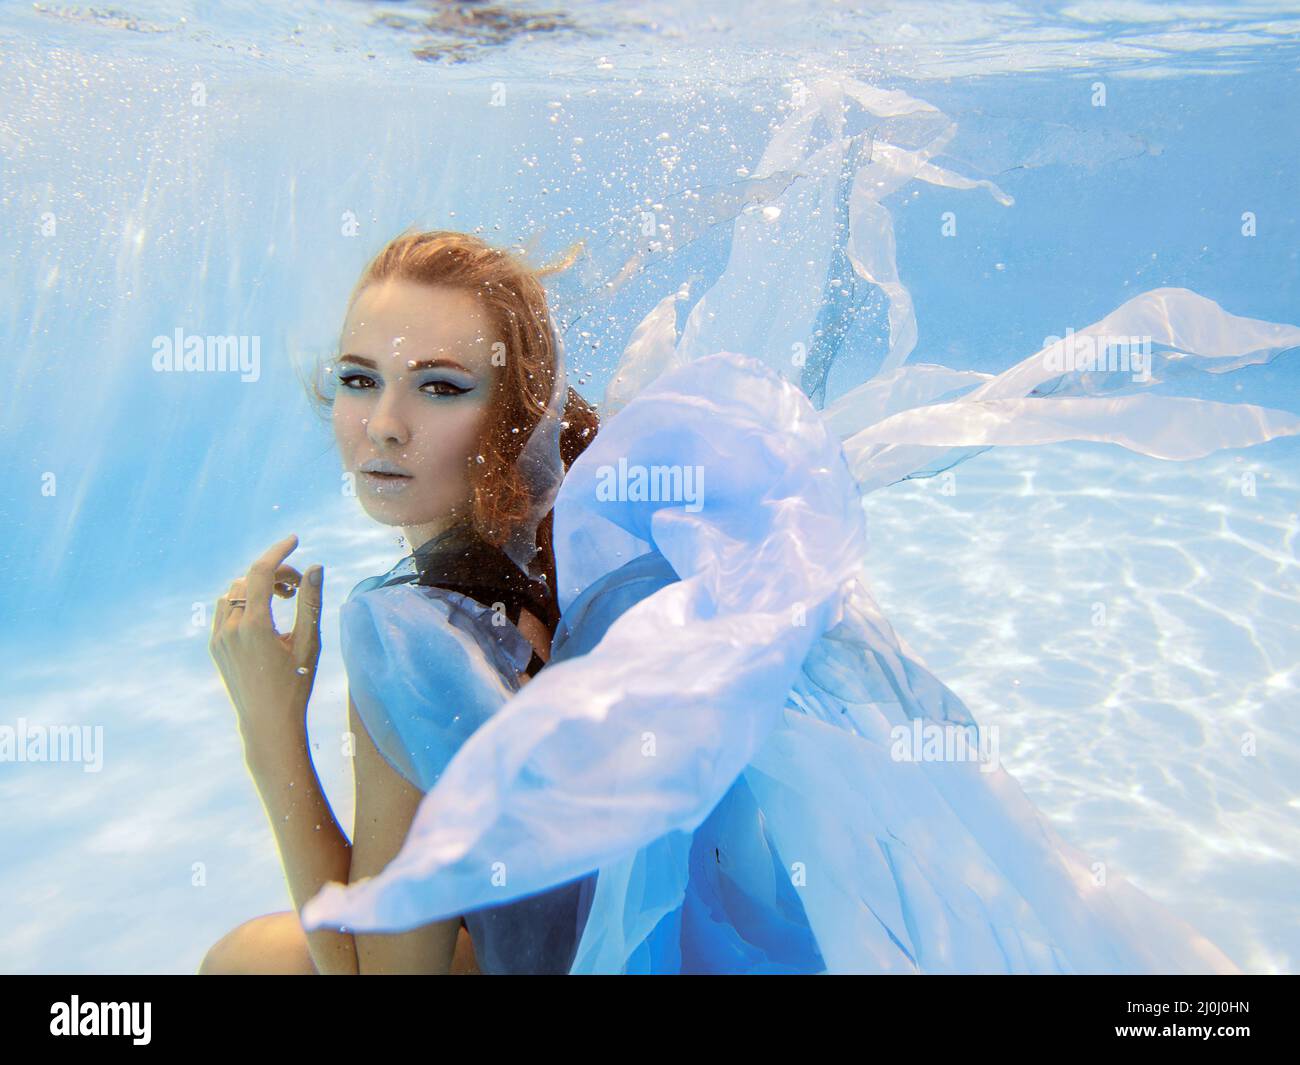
446	348
716	771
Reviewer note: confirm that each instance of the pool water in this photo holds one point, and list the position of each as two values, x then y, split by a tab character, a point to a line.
228	169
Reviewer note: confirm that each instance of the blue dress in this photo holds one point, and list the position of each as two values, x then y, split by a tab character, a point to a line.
730	736
426	666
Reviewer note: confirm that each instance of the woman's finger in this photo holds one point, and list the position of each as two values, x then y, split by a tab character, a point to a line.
230	612
260	579
220	614
287	580
306	622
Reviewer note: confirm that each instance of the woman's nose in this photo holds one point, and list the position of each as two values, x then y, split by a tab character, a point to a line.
386	424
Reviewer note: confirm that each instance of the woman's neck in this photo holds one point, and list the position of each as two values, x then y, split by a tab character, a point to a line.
419	535
459	558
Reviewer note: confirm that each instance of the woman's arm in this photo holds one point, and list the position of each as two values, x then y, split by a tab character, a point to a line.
312	846
314	850
269	676
385	805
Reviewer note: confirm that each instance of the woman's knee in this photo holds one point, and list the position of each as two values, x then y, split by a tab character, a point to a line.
273	944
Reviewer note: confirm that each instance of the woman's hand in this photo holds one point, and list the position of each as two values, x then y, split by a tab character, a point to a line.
268	674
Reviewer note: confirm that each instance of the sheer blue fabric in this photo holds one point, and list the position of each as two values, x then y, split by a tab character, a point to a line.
426	667
727	920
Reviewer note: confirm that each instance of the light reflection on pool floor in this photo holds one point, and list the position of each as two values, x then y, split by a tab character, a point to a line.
1128	734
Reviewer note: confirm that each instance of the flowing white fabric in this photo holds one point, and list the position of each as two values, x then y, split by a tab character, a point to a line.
558	782
765	678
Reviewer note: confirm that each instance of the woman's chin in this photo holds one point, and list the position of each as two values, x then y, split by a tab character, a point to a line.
389	511
401	514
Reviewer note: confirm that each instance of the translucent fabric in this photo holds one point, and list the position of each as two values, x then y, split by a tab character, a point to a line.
723	732
569	750
764	676
426	667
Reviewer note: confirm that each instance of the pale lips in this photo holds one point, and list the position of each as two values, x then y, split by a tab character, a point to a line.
385	482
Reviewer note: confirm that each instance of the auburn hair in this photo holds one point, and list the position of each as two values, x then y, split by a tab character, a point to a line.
512	294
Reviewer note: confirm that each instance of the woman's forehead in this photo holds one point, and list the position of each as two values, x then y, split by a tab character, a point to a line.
414	322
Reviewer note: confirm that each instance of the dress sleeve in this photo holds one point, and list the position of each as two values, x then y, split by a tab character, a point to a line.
425	671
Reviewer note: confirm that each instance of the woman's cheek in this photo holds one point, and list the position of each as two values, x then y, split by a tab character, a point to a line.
451	444
467	432
468	447
348	425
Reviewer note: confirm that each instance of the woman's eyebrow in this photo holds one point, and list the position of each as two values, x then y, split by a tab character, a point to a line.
423	364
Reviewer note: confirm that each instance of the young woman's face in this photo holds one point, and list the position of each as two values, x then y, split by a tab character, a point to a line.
414	380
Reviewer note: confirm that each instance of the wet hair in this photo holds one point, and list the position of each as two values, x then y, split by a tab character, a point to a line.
515	301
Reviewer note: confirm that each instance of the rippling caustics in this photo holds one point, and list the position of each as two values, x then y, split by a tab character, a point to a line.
711	745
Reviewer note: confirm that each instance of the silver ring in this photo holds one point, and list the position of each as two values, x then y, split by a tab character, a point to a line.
237	602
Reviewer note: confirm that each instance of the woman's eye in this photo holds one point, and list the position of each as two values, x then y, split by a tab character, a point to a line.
347	380
444	388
